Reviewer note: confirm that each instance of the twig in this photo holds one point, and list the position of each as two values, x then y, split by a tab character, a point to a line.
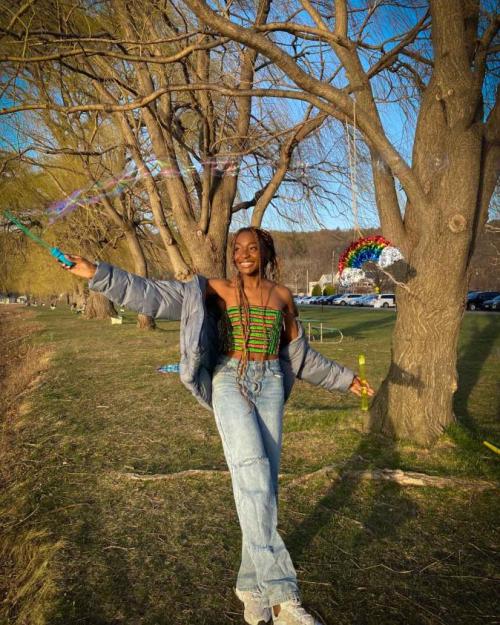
171	476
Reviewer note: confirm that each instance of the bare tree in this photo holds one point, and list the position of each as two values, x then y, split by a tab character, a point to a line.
194	80
198	152
435	67
103	164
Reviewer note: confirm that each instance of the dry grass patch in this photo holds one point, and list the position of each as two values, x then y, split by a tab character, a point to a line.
28	583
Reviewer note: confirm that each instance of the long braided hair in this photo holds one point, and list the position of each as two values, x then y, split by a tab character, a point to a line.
268	269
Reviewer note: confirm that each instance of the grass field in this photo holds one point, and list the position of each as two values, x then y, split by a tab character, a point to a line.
101	524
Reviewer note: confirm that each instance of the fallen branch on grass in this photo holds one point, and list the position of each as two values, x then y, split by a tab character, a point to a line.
404	478
171	476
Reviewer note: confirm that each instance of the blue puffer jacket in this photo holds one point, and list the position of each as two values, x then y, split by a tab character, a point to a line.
199	341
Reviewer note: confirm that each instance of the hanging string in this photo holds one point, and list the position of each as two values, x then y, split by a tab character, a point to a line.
353	169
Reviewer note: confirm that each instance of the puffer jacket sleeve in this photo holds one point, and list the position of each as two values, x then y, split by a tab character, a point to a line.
161	299
321	371
307	364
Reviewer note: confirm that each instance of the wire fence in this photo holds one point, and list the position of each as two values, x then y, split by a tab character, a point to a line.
316	330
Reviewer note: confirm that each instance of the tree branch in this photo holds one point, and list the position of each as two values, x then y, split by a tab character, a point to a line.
130	58
316	90
286	153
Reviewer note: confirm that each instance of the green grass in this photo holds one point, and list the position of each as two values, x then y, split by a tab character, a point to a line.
112	549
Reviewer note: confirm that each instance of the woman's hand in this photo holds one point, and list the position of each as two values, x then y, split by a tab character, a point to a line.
357	387
82	268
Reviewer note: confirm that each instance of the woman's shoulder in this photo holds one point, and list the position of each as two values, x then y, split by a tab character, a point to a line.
286	297
283	291
218	286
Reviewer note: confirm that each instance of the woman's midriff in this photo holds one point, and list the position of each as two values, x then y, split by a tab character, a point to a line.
251	356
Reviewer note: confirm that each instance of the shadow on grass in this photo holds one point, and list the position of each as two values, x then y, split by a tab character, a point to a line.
373	451
371	325
470	363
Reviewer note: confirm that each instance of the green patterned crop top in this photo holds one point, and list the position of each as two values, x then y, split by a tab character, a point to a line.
265	330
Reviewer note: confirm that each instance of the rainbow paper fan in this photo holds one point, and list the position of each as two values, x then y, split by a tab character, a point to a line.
373	248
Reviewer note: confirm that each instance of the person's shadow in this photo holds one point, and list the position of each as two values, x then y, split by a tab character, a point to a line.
373	452
388	510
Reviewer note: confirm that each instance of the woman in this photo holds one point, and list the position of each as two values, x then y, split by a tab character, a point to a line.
241	349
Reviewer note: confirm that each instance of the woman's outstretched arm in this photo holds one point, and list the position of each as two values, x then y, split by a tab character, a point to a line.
161	299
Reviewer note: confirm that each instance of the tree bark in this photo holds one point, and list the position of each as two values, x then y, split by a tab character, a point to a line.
416	398
144	322
99	307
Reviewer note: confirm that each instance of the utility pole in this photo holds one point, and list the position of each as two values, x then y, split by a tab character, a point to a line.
333	264
307	281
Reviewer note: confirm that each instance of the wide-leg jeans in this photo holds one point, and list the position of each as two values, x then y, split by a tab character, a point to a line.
251	432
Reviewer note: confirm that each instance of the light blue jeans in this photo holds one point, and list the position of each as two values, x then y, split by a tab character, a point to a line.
251	432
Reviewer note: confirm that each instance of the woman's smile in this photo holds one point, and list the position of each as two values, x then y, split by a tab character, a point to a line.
246	253
245	264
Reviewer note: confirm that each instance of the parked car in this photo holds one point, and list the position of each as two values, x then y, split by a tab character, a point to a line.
316	299
476	299
367	300
344	299
492	304
323	299
384	300
355	301
331	300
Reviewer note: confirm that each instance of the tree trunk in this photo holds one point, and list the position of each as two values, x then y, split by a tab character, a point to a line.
144	322
99	307
209	259
416	398
208	251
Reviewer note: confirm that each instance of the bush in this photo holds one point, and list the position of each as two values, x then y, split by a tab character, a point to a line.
329	290
316	290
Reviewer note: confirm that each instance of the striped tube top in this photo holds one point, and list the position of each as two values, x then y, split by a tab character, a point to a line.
265	330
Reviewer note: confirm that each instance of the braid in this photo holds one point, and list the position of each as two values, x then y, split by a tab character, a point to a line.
268	268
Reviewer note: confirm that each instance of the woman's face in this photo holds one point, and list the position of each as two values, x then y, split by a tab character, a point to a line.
246	255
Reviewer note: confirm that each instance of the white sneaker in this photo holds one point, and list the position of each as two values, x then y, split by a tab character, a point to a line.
292	613
255	613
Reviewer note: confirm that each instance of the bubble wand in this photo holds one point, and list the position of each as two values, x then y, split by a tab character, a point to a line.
492	447
362	377
55	251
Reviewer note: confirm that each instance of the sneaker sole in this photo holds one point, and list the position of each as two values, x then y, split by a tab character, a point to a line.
261	622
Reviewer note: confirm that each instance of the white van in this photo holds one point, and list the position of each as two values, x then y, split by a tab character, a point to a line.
384	300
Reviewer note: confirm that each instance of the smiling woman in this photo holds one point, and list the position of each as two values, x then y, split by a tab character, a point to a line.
241	349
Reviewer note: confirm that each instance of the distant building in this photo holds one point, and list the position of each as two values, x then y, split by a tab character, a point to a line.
363	286
326	279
